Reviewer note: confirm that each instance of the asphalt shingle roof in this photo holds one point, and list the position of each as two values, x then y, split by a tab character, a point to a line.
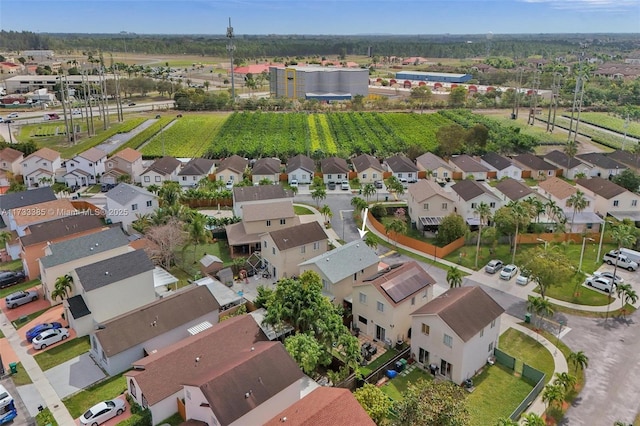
514	189
296	236
164	166
234	163
602	187
58	228
266	166
598	159
300	162
470	189
87	245
196	167
364	162
14	200
561	159
258	193
334	165
124	193
401	164
498	162
430	161
78	307
118	268
468	164
345	260
533	162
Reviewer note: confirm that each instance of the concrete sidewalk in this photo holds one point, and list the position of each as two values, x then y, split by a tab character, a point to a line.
44	388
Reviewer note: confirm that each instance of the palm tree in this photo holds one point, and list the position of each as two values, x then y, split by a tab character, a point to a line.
154	189
625	236
169	194
454	277
368	190
62	287
553	394
397	226
626	294
326	212
566	381
519	212
319	193
571	149
484	214
359	204
504	421
579	360
371	240
198	233
532	419
579	203
539	306
537	206
555	213
5	237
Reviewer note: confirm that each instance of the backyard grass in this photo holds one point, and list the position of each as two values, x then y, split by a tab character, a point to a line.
377	363
21	377
394	387
19	324
63	352
411	232
526	350
301	210
45	418
26	285
14	265
86	398
174	420
181	275
185	258
93	189
498	392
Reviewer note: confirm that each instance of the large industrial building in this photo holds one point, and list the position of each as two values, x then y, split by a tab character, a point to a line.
441	77
29	83
322	83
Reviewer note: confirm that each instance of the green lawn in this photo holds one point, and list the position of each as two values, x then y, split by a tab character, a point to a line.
63	352
93	189
21	377
394	387
17	325
411	232
573	291
45	418
378	362
301	210
86	398
185	258
14	265
174	420
527	350
498	392
29	284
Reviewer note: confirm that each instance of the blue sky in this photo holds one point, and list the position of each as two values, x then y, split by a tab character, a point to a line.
322	16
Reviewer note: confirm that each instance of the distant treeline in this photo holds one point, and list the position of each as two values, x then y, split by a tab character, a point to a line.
257	46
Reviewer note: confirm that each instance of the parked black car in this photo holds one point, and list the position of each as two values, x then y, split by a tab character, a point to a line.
9	278
378	184
332	185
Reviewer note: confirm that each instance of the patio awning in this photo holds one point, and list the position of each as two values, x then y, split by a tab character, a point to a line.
631	215
473	221
430	221
582	217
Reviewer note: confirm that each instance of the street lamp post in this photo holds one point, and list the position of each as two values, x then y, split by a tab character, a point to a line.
10	136
604	224
543	241
584	241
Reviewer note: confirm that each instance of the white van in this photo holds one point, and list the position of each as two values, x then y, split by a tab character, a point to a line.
631	254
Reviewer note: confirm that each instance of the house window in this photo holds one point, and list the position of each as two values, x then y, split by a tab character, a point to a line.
268	223
589	225
273	250
362	319
132	388
425	206
423	357
364	176
188	394
616	203
329	177
409	175
363	298
316	245
474	205
413	300
184	178
445	206
399	175
380	307
303	249
492	205
445	174
158	179
147	179
110	164
134	207
425	329
434	174
493	323
104	356
482	332
491	347
283	221
374	176
90	164
149	203
326	286
447	340
634	203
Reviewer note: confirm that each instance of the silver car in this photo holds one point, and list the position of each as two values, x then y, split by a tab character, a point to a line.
20	298
493	266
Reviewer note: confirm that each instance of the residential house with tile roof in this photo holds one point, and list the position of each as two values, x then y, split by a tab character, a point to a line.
570	166
10	160
85	168
125	281
368	168
39	168
534	167
611	199
469	167
39	235
456	332
266	169
341	268
300	168
383	302
334	169
325	406
258	218
231	169
435	167
20	218
402	168
514	190
428	204
627	158
283	250
559	191
162	170
123	340
60	258
468	194
194	171
502	166
261	194
126	202
127	162
601	165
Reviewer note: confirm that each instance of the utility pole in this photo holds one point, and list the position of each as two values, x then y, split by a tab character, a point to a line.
578	95
230	49
534	98
63	97
85	88
106	97
516	98
553	105
73	129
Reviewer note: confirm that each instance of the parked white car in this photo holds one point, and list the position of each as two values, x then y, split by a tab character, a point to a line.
622	260
49	337
609	275
522	279
508	272
103	411
600	283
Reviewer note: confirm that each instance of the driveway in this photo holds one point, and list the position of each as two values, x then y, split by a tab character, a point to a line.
74	375
23	418
28	308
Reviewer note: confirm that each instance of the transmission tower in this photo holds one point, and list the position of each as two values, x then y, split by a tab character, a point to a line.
578	95
553	104
230	49
534	98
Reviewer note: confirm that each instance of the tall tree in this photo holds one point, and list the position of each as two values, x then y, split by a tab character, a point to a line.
547	267
62	287
428	403
627	179
571	148
451	228
532	419
395	226
483	212
326	212
579	360
305	350
421	95
578	202
198	232
553	395
520	213
359	204
375	402
454	277
371	240
566	381
368	190
450	139
318	193
626	294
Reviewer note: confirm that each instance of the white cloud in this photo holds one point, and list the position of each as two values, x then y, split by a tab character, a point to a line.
599	6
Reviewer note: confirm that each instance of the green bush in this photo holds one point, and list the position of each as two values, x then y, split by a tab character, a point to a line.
139	416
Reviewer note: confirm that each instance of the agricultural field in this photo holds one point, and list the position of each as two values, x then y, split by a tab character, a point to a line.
190	136
138	140
597	135
610	122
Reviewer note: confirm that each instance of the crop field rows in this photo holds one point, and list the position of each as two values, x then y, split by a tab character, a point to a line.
189	136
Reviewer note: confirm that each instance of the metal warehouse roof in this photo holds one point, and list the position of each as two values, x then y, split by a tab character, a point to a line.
433	74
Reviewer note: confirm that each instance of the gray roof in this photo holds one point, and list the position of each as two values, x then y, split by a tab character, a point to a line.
115	269
63	227
496	161
469	189
164	166
626	157
561	159
364	162
430	161
124	193
266	166
258	193
334	165
533	162
345	260
87	245
197	167
234	163
514	189
14	200
78	307
468	164
598	159
299	235
400	163
300	162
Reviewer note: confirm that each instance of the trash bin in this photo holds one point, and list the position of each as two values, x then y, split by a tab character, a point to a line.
527	318
386	198
13	366
399	366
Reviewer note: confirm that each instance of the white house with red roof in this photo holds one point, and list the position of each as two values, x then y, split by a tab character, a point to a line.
40	167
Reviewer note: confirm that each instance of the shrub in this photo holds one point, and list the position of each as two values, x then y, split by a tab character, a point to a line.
378	211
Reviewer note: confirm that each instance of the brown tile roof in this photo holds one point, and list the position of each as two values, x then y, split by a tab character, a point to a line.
128	154
514	189
399	282
324	406
425	189
430	161
234	163
42	212
266	166
468	164
364	162
296	236
533	162
467	310
264	211
156	318
237	235
253	376
93	154
164	166
470	189
163	373
498	162
58	228
602	187
557	187
561	159
259	193
624	157
401	164
10	155
45	153
301	162
334	165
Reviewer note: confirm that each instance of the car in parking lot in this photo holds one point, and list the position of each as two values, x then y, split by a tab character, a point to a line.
523	279
20	298
344	185
49	337
609	275
229	184
9	278
34	331
13	115
132	104
293	183
331	185
103	411
508	272
378	184
493	266
622	260
600	283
